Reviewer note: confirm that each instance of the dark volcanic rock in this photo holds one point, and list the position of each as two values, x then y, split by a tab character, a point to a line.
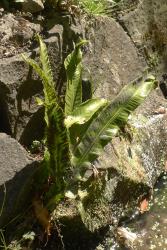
16	177
112	58
146	25
19	85
17	91
16	34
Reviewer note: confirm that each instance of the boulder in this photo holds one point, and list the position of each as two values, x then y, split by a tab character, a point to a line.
134	162
146	25
32	6
16	177
111	58
17	91
16	34
16	37
127	171
19	85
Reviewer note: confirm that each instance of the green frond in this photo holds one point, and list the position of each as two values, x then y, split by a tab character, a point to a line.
57	153
84	112
35	66
49	85
44	58
49	91
107	124
73	66
58	146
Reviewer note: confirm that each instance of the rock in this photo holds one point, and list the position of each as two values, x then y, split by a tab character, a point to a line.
16	178
113	59
32	6
146	25
17	93
19	85
133	165
16	34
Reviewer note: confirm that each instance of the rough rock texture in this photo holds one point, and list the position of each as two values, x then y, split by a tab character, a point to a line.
16	37
17	106
16	177
134	163
111	58
146	25
32	5
19	85
132	166
16	34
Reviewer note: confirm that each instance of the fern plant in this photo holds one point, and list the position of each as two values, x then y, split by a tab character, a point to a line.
77	134
56	154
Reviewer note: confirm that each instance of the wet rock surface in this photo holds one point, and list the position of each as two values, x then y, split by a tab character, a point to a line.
148	230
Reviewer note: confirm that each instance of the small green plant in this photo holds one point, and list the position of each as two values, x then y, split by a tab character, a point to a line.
94	7
77	133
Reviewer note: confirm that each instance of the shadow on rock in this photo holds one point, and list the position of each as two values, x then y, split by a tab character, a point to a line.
15	194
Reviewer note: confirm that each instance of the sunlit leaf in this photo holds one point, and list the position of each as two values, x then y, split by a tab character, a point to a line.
107	124
84	112
73	66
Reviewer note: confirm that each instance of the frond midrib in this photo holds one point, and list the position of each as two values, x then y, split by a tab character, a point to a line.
103	129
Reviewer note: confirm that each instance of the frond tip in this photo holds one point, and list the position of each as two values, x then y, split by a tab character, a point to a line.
73	66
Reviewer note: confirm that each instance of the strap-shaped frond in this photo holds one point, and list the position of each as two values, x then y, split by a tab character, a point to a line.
85	111
73	66
49	91
107	123
49	85
44	58
58	146
56	136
